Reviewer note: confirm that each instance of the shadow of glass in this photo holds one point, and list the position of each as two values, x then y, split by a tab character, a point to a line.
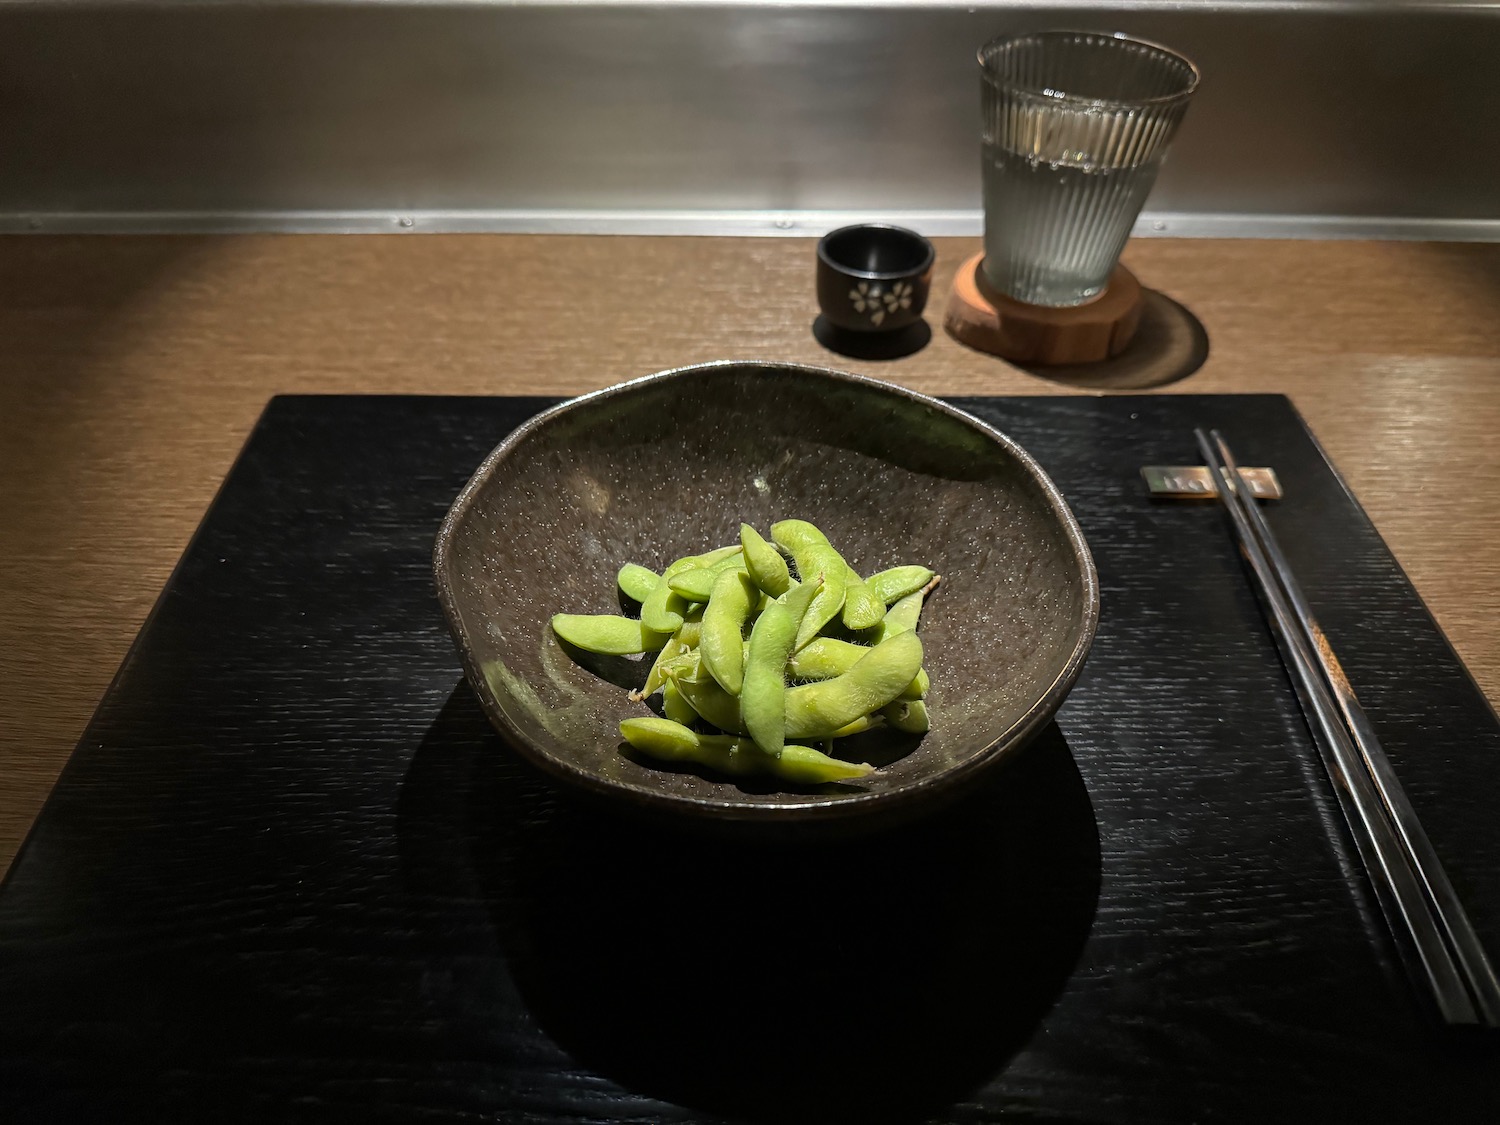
879	977
1169	345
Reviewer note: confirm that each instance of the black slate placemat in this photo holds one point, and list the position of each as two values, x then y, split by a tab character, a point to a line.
290	874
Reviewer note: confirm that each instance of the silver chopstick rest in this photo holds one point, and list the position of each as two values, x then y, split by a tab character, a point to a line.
1185	482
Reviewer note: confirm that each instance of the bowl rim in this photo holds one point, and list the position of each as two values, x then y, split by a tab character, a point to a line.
833	807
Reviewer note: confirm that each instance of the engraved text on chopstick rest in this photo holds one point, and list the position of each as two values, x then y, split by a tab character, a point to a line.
1195	482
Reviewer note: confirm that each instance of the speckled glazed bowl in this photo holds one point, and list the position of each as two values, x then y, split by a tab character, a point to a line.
670	465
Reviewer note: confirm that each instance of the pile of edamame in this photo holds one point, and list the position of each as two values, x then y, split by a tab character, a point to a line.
768	654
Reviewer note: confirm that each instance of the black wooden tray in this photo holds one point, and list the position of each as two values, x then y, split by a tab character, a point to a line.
291	875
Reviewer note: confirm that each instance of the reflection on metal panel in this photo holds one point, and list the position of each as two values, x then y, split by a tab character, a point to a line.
1375	118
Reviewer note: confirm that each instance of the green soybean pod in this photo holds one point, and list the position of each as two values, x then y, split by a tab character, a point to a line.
704	695
763	694
827	657
806	766
904	615
810	548
676	708
816	710
723	628
907	715
697	583
694	584
919	687
896	583
664	610
858	726
863	609
607	633
666	739
824	658
764	564
670	741
792	535
717	555
684	640
637	582
684	669
814	560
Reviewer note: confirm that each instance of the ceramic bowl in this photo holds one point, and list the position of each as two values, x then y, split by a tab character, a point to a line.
671	464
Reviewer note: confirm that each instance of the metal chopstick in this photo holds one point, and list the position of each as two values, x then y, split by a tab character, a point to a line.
1468	951
1442	952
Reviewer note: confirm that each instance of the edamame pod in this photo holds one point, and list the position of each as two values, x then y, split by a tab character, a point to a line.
697	583
907	611
859	726
709	700
762	698
684	669
637	582
676	708
907	715
814	560
843	592
807	766
670	741
764	563
903	616
607	633
664	610
717	555
724	626
792	535
860	607
827	657
816	710
683	641
897	582
696	613
919	687
863	609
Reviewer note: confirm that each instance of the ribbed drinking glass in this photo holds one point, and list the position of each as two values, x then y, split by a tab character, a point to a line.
1076	124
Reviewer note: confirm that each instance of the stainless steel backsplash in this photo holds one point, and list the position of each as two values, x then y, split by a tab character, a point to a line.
1313	118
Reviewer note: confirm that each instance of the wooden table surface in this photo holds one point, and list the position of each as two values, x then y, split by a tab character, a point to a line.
131	370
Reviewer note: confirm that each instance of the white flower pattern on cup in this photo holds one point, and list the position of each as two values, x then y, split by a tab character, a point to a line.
880	303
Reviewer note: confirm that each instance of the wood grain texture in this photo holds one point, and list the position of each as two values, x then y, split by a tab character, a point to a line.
133	368
292	874
990	321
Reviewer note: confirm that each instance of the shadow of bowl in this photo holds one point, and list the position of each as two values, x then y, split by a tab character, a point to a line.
874	979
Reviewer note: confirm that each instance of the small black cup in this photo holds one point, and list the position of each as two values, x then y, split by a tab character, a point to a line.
873	277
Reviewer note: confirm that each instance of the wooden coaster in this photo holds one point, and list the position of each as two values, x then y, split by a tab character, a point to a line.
992	322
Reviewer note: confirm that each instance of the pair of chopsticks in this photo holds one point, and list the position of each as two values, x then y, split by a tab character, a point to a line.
1442	952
